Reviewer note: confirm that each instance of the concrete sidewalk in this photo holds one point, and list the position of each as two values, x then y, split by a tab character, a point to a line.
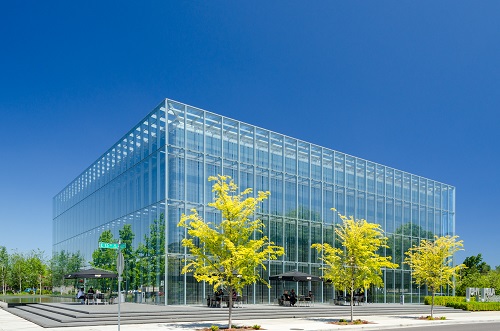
10	322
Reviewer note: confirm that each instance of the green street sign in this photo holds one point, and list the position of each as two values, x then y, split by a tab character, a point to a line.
111	245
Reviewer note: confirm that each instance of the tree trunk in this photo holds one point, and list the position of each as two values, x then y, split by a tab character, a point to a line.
432	304
3	281
230	296
352	306
352	293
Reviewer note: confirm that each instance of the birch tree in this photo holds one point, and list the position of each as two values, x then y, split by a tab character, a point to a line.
36	269
18	269
4	267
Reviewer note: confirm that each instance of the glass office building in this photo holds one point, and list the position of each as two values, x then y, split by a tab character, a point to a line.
138	189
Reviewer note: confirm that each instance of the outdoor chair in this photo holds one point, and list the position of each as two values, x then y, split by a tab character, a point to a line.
113	299
359	299
100	299
215	302
302	301
283	302
239	302
309	301
90	298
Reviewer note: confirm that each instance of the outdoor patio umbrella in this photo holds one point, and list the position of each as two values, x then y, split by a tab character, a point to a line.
91	273
296	276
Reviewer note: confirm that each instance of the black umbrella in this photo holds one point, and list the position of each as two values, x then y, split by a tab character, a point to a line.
296	276
91	273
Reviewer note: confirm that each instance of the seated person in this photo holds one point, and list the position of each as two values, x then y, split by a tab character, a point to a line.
293	297
81	295
99	297
218	297
234	296
309	296
284	297
90	294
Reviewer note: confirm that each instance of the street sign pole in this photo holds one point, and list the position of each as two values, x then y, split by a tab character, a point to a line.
112	245
119	267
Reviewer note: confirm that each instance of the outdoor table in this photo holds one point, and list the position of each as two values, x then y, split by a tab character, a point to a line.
214	301
99	298
304	301
359	299
301	299
237	301
89	297
225	298
240	299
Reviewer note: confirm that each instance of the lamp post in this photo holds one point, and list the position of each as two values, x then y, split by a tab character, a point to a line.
119	267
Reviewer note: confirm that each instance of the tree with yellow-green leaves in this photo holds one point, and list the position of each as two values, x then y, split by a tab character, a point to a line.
356	265
432	263
228	254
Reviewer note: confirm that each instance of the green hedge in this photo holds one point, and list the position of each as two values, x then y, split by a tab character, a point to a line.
475	306
443	301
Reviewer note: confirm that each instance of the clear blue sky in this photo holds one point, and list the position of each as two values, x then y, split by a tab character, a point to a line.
410	84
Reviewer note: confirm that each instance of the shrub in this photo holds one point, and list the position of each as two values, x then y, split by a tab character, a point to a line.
214	328
475	306
444	300
256	327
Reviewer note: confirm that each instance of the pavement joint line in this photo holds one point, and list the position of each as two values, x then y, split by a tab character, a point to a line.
400	319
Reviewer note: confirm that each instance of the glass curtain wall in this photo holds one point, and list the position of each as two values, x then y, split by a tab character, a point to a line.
138	190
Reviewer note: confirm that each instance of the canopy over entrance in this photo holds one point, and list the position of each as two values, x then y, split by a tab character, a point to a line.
296	276
92	274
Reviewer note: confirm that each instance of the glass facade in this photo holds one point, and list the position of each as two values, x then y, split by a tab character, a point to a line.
159	170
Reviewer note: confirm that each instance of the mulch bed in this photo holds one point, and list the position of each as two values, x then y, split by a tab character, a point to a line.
431	318
243	327
355	322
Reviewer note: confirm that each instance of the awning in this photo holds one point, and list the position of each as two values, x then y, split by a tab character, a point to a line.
296	276
91	273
